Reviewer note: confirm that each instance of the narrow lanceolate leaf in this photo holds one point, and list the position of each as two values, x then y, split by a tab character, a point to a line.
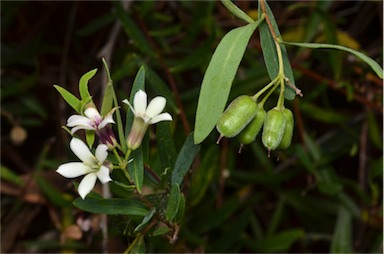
72	100
218	79
372	63
236	11
138	84
83	84
173	202
166	145
112	206
136	169
342	236
132	29
270	54
109	92
184	160
145	220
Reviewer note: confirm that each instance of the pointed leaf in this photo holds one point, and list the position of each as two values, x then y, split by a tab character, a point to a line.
112	206
166	145
270	54
184	160
218	79
372	63
145	220
69	98
173	202
136	169
83	84
237	11
138	84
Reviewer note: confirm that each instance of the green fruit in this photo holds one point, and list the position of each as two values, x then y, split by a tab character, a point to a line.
238	114
288	132
274	127
249	133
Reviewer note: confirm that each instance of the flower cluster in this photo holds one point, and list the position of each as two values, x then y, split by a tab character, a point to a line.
95	166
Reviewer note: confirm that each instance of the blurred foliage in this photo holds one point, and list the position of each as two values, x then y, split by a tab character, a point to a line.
323	194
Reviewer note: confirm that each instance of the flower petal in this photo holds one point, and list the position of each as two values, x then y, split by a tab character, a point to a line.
140	103
103	174
107	120
81	127
80	149
87	184
73	169
93	114
78	120
129	104
101	153
161	117
156	106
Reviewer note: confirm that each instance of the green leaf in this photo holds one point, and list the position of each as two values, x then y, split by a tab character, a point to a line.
136	169
161	231
181	209
277	216
138	84
109	93
8	175
203	176
236	11
145	220
184	160
218	79
139	245
112	206
132	30
167	150
83	84
342	236
55	196
173	202
90	137
270	54
96	24
372	63
69	98
280	242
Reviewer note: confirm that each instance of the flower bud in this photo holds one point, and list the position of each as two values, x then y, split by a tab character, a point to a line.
238	114
249	133
273	130
107	137
136	135
288	131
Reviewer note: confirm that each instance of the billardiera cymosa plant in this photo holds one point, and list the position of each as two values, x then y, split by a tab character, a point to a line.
92	166
145	116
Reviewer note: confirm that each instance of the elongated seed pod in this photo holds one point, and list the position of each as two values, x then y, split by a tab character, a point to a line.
249	133
273	130
238	114
288	132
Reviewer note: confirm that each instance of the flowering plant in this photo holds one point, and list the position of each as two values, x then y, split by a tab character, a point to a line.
118	158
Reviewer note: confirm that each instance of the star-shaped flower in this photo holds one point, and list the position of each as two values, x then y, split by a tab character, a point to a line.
91	166
94	121
145	115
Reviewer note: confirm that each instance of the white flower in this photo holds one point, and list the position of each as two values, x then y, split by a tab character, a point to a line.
91	121
91	166
151	113
145	116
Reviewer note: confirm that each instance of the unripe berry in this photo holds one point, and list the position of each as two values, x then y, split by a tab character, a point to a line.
288	131
273	130
238	114
249	133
